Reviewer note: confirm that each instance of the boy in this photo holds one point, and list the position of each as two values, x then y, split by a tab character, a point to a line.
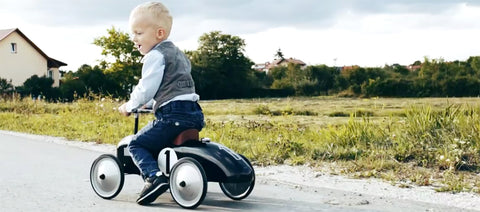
166	80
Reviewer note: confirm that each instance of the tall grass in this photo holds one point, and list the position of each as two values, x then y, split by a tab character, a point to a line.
82	120
425	142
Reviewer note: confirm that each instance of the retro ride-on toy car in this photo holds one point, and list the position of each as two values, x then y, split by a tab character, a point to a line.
189	165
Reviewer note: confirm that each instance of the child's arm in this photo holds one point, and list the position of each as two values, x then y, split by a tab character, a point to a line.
152	75
149	104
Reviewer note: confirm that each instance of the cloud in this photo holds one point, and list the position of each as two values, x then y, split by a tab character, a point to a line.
261	13
195	17
272	13
343	29
300	13
70	13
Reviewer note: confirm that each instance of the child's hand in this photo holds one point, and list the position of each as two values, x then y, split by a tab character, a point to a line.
123	110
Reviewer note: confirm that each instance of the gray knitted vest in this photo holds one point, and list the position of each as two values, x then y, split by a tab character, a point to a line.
177	79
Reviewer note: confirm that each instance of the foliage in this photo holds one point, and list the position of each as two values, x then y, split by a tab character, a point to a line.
38	87
125	70
435	78
309	81
81	120
73	87
279	54
6	87
220	68
118	46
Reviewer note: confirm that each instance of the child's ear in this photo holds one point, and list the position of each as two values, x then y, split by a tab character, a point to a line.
161	34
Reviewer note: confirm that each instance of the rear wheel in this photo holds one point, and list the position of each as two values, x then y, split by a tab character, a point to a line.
188	183
239	191
106	176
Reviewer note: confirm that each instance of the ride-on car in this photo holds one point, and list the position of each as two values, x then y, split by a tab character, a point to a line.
189	164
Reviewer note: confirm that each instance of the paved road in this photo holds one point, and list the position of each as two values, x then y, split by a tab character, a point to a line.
37	175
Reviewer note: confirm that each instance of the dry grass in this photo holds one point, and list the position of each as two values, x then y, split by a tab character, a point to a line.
424	141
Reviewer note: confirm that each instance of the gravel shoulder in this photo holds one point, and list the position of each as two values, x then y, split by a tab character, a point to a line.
308	179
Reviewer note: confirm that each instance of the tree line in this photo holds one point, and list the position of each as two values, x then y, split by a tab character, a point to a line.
221	70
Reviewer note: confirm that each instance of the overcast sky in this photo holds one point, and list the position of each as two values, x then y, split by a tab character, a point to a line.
331	32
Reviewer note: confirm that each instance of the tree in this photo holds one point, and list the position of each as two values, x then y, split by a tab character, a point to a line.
358	78
416	63
119	46
93	78
397	68
460	86
309	81
474	63
220	68
72	87
389	87
279	54
281	78
36	86
98	82
5	86
126	67
324	77
292	77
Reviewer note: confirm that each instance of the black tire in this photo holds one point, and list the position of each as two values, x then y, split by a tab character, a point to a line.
188	183
239	191
106	176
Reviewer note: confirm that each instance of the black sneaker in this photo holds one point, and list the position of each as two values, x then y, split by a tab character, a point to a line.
154	187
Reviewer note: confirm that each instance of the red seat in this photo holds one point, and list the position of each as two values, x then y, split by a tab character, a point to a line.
186	135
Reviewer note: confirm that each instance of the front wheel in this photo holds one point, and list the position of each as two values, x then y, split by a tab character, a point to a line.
106	176
188	183
239	191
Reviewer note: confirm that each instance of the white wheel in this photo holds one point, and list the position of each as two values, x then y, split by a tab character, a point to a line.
238	191
106	176
188	183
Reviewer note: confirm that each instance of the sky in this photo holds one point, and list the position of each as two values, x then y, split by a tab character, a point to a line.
369	33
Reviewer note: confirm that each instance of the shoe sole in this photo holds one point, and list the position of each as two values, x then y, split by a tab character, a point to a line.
153	195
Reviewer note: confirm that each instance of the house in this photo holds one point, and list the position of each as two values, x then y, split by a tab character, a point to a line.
285	62
20	59
265	67
262	67
348	68
414	67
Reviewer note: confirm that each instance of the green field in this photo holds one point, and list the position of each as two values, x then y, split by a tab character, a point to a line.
424	141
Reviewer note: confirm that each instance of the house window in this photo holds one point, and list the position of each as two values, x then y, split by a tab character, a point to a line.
50	74
14	48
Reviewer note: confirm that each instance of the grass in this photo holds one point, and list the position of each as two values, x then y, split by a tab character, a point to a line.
429	141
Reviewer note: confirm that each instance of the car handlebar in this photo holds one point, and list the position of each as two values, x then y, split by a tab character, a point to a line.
142	110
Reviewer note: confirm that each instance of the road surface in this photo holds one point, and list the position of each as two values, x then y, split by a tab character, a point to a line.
37	174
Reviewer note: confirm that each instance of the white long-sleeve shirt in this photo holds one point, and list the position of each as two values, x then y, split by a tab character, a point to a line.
152	74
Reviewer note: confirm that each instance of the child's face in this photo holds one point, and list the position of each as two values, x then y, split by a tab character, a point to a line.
145	34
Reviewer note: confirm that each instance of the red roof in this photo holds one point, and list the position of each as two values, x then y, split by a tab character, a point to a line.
51	62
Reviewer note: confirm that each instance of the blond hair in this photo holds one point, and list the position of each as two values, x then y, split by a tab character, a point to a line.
158	14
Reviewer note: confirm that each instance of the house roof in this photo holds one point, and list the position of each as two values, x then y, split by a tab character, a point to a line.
5	32
51	63
289	60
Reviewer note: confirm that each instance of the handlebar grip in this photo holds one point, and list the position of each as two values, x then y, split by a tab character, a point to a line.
142	110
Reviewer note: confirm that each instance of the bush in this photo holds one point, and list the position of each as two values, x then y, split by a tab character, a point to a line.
6	87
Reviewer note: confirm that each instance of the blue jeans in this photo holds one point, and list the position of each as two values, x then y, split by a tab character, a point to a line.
171	120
